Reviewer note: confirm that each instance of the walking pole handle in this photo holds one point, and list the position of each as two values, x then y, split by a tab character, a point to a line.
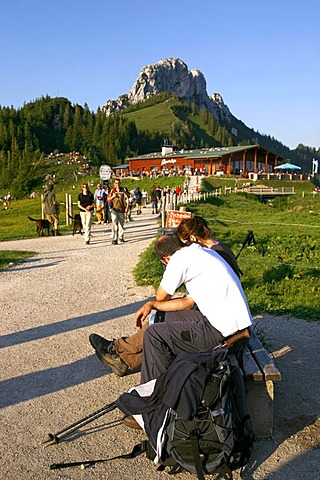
248	239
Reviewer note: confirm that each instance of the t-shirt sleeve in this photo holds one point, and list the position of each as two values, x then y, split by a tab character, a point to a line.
173	276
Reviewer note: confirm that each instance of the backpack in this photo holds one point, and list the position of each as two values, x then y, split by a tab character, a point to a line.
204	428
137	194
194	415
119	203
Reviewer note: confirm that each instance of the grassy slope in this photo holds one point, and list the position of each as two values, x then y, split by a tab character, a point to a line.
155	118
13	257
160	117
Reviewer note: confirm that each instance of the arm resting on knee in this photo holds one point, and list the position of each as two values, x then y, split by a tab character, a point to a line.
171	305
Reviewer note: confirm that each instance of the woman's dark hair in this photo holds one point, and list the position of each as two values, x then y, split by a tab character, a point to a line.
196	226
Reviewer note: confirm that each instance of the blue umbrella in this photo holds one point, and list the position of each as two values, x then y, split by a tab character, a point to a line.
287	166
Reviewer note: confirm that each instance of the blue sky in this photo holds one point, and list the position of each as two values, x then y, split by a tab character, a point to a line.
262	56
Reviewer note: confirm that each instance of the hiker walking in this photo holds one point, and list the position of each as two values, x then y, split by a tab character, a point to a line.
51	209
119	198
86	206
98	196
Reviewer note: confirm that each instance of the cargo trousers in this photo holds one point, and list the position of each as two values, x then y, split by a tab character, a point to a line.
182	331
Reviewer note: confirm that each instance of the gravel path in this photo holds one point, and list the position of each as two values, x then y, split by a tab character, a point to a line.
50	377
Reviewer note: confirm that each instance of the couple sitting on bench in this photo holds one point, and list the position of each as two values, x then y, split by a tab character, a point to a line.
213	310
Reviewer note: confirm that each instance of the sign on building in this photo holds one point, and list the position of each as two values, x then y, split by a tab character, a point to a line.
174	217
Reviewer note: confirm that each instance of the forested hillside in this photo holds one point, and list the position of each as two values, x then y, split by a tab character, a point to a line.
53	125
28	135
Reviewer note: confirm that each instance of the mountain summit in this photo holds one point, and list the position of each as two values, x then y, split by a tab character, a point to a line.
172	76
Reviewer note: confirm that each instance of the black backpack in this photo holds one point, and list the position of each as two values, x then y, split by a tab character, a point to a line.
218	437
137	194
194	415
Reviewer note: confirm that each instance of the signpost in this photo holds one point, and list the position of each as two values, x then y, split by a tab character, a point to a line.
105	172
174	217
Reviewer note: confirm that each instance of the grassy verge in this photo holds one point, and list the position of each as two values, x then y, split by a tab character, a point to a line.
9	258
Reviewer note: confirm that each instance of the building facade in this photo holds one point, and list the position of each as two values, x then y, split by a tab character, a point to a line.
209	161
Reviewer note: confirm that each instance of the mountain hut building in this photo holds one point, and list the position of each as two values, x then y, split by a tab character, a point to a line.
209	161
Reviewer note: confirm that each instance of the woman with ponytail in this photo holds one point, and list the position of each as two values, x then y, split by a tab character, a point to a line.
195	230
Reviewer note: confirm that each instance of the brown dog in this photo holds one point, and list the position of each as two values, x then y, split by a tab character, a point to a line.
41	225
77	224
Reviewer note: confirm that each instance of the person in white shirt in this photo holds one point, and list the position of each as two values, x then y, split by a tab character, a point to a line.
222	308
98	196
144	197
213	310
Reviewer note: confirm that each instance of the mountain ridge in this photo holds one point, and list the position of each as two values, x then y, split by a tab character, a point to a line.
171	76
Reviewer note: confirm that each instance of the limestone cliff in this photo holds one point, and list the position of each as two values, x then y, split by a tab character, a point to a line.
172	76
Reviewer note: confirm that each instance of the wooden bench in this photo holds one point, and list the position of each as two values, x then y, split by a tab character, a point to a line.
260	375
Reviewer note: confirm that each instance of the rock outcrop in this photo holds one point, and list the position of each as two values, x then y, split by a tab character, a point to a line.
172	76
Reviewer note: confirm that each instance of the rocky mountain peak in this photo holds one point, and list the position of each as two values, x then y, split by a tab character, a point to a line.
171	75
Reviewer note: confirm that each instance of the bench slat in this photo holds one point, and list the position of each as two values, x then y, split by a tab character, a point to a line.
263	360
251	369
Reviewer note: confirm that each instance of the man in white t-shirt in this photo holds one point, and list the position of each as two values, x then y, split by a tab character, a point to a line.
98	196
214	308
222	308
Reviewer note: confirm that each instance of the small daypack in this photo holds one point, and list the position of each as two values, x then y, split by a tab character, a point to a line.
137	194
196	418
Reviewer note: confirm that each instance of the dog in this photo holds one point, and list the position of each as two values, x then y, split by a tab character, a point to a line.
41	225
77	224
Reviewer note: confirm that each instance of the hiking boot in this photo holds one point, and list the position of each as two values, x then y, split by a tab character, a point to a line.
112	359
131	422
122	240
99	342
57	233
114	242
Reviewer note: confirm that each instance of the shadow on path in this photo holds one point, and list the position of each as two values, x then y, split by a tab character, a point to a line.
91	319
37	384
23	267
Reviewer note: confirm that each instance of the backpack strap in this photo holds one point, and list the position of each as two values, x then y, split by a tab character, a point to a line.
137	450
196	454
224	470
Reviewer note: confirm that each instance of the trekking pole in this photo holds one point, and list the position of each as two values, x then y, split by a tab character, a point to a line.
55	438
250	240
